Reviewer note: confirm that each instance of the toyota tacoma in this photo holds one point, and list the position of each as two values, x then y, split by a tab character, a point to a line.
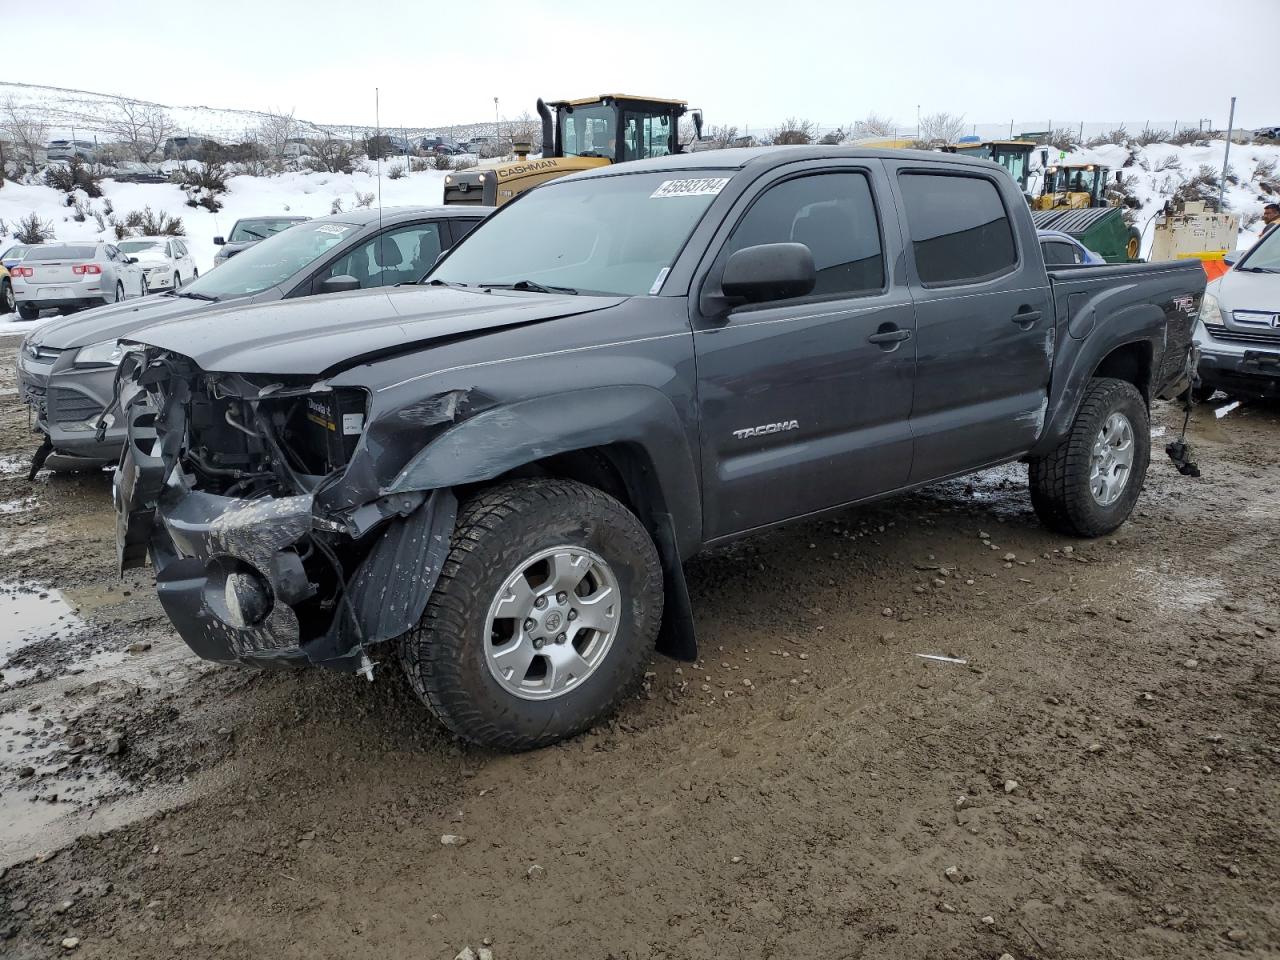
495	478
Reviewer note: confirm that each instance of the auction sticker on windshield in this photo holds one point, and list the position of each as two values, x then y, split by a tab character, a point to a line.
700	187
333	229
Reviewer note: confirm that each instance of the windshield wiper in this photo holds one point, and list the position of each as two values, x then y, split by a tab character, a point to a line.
531	285
198	296
252	233
443	283
1258	269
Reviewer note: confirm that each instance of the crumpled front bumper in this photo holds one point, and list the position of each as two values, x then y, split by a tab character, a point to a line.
266	582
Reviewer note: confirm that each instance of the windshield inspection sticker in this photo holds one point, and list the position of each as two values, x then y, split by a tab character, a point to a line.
701	187
331	228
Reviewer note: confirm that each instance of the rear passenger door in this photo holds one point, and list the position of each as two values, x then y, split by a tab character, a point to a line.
805	402
984	324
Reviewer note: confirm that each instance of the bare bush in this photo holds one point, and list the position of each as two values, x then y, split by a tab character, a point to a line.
100	218
203	183
418	164
28	133
1203	185
1250	219
794	130
442	161
74	175
142	127
331	156
364	199
1118	137
1170	162
941	127
81	208
336	206
719	136
395	172
1264	170
31	229
1064	138
464	163
874	125
1147	137
276	130
1184	137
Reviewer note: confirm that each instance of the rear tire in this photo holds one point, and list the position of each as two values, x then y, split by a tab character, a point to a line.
7	302
28	312
177	282
1081	488
482	607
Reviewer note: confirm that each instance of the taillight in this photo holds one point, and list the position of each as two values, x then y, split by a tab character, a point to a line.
23	272
91	268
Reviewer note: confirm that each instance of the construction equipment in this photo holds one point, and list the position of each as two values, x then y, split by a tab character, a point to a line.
1189	231
1073	185
1102	229
1013	155
586	133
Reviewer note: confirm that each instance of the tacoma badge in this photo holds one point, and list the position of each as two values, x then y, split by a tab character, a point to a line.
765	428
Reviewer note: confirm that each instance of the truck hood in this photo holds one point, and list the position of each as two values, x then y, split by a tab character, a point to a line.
114	321
1242	290
314	335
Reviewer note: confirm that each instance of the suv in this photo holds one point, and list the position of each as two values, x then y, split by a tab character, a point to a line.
1239	327
64	150
247	231
500	474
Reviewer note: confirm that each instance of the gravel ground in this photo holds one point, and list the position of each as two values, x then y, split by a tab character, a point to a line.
1095	776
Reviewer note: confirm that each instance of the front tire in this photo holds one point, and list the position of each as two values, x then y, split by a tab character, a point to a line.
1089	484
543	619
119	291
27	312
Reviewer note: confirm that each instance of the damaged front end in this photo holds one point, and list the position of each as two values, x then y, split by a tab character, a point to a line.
272	542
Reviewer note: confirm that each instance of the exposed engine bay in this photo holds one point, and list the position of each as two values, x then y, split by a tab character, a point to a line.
229	484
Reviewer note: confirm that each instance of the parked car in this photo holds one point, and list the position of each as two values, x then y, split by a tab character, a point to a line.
488	147
64	150
1239	328
248	231
441	145
14	254
72	276
68	367
7	302
296	147
188	148
1267	133
1063	250
503	471
166	262
132	171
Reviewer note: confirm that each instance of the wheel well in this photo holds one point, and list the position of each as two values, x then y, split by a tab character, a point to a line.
1131	362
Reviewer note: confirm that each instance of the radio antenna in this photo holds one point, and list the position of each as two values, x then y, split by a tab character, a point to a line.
377	121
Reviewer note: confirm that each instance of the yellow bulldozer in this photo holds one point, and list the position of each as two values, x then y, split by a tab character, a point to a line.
1073	186
586	133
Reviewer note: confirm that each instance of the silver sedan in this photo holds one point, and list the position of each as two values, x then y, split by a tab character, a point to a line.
70	276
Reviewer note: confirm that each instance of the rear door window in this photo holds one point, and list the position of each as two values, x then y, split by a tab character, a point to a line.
834	215
960	230
403	255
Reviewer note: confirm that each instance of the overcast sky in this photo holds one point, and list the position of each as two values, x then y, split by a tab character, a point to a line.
744	62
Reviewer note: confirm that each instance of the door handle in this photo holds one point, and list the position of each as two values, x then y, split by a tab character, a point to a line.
1026	316
889	336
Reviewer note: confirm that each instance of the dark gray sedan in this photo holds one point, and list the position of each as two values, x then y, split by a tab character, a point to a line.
66	369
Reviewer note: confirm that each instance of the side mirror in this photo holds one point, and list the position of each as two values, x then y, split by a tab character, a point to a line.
219	241
132	260
1230	259
339	284
769	271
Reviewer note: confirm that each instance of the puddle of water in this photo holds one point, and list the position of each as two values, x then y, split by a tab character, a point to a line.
31	612
14	464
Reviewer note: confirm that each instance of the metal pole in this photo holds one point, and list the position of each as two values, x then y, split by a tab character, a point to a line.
1226	154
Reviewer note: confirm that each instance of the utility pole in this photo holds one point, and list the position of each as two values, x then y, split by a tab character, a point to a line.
917	121
1226	154
497	124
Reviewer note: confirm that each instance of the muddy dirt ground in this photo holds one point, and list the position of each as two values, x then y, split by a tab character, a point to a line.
1100	777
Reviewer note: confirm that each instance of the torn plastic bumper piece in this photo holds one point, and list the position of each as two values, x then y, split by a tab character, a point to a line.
230	575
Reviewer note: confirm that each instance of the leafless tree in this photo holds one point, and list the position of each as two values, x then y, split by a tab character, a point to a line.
276	131
29	134
142	127
719	135
874	125
525	130
794	130
946	127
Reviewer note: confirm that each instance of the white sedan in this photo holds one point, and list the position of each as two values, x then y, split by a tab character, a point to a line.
166	262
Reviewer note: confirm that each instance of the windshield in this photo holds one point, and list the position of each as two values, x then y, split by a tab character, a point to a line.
58	251
1013	161
271	262
138	246
248	230
611	235
589	132
1263	255
1078	180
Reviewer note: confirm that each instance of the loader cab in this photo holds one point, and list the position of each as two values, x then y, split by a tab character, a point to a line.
618	128
1075	186
1013	155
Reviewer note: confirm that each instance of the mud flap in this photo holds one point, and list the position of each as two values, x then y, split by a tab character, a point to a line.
676	638
389	591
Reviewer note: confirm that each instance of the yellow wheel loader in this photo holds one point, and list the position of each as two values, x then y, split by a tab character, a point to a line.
582	134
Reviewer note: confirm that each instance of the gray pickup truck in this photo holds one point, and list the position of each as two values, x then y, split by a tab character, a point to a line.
500	474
